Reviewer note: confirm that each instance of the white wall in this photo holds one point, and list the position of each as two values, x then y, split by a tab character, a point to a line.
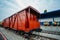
50	19
57	19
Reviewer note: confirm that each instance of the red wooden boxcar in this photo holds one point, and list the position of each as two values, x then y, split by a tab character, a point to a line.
25	20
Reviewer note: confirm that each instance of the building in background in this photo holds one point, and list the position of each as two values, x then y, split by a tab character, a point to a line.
52	18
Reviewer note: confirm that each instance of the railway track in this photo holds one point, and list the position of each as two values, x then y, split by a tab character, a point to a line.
33	36
51	32
37	37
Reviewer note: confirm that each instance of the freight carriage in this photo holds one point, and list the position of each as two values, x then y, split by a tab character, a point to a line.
25	21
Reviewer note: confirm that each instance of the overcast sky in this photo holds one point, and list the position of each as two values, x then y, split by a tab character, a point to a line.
9	7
